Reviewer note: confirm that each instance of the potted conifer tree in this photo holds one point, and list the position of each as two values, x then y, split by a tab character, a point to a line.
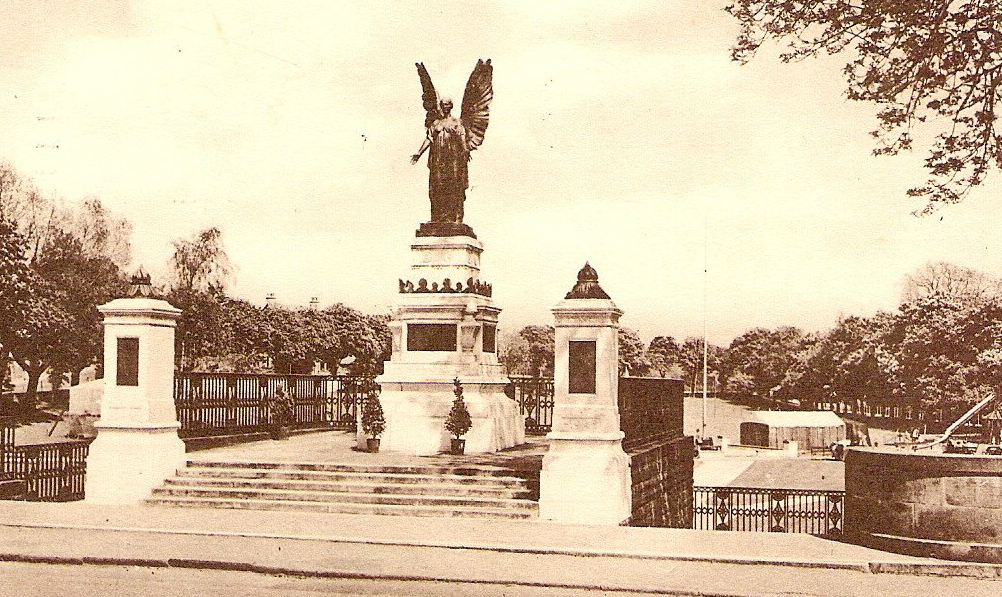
458	422
373	422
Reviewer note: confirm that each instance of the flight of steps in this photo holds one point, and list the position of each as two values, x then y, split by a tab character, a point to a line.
427	490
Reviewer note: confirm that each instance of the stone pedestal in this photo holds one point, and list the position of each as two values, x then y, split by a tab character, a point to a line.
444	327
586	473
137	445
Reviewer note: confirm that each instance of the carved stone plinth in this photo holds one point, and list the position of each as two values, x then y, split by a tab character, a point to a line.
440	335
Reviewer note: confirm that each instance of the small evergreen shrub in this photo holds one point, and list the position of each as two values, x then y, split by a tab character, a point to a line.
458	422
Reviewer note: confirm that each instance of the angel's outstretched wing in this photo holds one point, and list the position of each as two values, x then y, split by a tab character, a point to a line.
429	96
476	103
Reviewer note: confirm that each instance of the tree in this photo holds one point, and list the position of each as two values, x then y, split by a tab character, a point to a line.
539	346
665	356
200	262
692	362
632	354
62	326
964	283
763	355
15	289
924	63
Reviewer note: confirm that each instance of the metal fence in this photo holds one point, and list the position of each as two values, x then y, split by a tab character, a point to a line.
768	510
535	401
50	472
211	404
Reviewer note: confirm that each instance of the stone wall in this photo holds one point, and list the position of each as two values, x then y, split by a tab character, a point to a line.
940	505
661	483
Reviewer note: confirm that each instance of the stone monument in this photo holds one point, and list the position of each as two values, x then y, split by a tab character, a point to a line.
444	323
137	445
586	473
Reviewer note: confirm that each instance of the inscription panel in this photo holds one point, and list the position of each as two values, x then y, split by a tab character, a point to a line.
490	335
581	366
127	370
438	337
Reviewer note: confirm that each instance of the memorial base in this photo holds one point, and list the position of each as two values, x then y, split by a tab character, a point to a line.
585	480
124	464
416	412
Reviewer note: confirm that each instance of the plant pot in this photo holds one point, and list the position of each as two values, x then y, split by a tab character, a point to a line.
372	444
279	432
458	446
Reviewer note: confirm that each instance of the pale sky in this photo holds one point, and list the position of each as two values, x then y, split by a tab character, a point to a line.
621	133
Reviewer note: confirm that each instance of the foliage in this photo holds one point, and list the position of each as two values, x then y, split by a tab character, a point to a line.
59	261
200	262
921	62
692	362
665	356
762	357
458	422
947	279
530	352
633	358
373	423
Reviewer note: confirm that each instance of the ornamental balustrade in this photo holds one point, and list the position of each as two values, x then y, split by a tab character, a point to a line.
768	510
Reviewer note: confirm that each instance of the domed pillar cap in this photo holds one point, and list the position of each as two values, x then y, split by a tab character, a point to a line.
587	285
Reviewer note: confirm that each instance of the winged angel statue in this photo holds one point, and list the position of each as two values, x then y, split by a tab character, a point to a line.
451	140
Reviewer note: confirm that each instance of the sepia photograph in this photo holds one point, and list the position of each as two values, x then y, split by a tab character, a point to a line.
501	298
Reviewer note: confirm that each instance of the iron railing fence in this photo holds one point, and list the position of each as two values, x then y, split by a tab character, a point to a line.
768	510
50	472
535	401
211	404
6	444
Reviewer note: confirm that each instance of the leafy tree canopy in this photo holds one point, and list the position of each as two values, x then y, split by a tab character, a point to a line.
924	62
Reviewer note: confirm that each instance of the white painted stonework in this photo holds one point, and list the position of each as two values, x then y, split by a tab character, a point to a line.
586	474
417	386
137	445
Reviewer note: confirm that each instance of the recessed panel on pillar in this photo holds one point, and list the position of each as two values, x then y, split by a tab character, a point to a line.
434	337
127	362
490	338
581	366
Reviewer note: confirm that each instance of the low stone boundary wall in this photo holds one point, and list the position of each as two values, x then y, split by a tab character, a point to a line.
939	505
661	482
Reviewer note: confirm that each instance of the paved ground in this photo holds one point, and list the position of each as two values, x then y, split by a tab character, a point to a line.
367	554
800	473
339	446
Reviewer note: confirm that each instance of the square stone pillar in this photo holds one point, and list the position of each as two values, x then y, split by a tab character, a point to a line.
586	474
137	445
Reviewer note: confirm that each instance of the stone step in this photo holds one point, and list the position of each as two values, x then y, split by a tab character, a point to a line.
376	487
343	497
473	470
293	474
344	508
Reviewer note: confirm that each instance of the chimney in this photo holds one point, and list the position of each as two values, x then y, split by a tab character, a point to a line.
314	303
269	300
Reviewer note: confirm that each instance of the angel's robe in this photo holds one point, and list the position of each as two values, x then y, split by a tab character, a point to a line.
447	165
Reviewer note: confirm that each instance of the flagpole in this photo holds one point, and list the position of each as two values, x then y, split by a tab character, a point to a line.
703	429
